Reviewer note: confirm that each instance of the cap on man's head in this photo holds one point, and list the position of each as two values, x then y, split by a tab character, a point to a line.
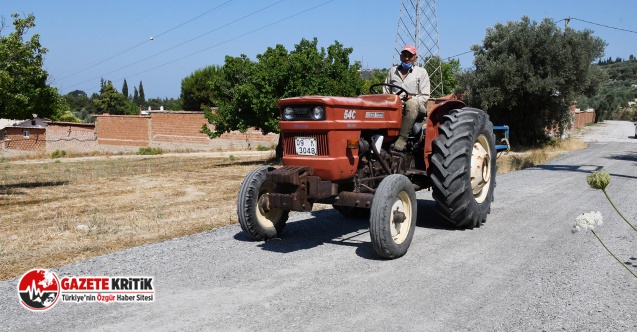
409	49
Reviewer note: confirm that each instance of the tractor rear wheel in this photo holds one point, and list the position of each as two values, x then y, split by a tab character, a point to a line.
257	219
393	216
464	167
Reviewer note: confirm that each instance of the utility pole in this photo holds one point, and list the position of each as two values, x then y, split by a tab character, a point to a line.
566	20
418	26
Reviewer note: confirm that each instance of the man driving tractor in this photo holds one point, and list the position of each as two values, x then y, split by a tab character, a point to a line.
415	80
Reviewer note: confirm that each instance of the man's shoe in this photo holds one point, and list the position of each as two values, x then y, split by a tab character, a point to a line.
400	144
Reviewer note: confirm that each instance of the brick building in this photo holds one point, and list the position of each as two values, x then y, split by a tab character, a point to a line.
24	135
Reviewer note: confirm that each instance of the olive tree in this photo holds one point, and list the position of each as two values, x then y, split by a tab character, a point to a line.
527	74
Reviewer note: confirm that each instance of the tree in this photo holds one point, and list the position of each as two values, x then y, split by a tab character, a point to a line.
168	104
77	100
142	97
23	82
374	76
196	89
63	111
449	71
136	96
528	74
612	100
110	101
246	92
125	90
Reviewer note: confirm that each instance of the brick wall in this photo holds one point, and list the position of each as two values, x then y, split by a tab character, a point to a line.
71	136
178	128
580	119
122	130
173	130
251	139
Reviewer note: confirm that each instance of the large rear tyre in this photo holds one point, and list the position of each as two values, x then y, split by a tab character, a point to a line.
257	219
393	216
464	167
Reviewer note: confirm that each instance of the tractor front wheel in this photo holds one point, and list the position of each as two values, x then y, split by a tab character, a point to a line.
257	219
393	216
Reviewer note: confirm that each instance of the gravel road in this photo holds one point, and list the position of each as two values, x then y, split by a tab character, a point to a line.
522	271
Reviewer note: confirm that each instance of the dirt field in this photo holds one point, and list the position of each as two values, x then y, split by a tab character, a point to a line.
55	212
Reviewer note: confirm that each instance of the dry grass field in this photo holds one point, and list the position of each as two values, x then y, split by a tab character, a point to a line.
59	211
56	212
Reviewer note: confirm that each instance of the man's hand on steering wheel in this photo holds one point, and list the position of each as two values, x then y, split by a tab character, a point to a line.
373	90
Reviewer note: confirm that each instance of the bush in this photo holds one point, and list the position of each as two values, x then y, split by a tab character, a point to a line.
150	151
263	148
58	154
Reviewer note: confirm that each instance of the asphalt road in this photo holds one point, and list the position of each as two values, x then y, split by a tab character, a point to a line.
522	271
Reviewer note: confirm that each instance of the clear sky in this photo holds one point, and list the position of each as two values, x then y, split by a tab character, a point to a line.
112	39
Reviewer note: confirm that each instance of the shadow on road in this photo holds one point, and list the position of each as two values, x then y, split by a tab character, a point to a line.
569	168
586	169
330	227
625	157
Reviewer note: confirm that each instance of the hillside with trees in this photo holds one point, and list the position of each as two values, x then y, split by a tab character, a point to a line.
618	92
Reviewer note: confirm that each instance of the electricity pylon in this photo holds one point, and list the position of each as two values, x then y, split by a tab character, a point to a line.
418	26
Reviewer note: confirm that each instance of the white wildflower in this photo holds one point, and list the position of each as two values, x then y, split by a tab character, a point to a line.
587	221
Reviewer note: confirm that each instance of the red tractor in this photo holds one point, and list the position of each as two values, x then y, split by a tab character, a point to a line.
337	150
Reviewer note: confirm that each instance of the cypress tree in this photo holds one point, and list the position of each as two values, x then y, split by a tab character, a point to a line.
125	90
136	96
142	97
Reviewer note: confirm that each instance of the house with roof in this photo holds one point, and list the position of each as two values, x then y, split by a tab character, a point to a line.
26	135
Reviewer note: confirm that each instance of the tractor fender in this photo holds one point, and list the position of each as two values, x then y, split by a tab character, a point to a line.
434	118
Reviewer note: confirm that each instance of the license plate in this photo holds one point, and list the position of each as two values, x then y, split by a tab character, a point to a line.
305	146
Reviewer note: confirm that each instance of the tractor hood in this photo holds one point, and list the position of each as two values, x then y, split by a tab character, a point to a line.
380	101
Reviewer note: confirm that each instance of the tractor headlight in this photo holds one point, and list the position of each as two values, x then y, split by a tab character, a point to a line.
318	113
288	113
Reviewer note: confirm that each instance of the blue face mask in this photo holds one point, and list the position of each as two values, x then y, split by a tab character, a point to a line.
406	65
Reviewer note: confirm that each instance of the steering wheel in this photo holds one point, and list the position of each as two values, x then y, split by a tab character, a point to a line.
374	91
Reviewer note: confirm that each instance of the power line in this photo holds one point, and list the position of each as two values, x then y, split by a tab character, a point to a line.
146	41
194	18
234	38
457	55
564	19
602	25
157	7
229	40
178	45
104	60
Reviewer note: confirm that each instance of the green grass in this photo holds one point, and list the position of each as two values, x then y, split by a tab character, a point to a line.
58	154
150	151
